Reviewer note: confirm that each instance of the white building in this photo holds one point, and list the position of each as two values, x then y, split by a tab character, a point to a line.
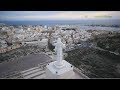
3	44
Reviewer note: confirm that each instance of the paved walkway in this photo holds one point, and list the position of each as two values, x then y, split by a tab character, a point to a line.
39	73
23	63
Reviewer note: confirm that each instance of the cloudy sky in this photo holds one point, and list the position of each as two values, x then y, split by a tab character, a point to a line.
58	15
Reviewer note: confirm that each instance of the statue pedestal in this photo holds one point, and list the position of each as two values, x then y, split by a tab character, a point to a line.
64	72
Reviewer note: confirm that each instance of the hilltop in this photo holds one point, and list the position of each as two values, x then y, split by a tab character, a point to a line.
101	60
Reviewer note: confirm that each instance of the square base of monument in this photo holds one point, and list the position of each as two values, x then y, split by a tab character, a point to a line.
66	72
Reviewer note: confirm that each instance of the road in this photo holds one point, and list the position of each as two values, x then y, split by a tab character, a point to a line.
93	46
105	50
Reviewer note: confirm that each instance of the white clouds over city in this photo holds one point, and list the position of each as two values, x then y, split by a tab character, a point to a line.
55	15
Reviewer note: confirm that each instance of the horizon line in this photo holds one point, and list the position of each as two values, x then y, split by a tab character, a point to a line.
65	19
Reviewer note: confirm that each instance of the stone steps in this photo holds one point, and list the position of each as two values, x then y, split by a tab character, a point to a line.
33	73
37	72
31	69
40	77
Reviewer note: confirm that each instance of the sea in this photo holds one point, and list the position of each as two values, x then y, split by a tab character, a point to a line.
53	22
81	22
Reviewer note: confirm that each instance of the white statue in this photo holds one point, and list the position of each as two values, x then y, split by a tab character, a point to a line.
58	49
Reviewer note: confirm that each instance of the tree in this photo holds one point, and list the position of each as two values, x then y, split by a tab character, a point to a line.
72	37
50	46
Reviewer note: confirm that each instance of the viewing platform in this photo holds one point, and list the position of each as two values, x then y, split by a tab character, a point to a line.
41	66
38	73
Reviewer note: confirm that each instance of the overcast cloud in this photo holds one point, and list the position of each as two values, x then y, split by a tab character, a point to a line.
56	15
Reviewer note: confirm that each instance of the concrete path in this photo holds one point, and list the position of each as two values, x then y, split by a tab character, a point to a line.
23	63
